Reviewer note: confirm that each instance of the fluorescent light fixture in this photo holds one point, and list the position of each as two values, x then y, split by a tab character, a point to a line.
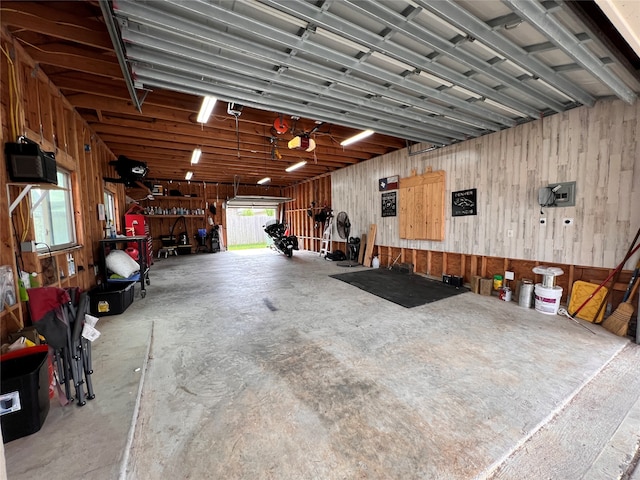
207	107
551	87
339	39
296	166
356	138
264	180
465	91
392	61
488	101
195	156
188	176
438	80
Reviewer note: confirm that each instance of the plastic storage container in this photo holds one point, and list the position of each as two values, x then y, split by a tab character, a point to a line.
547	299
111	298
24	393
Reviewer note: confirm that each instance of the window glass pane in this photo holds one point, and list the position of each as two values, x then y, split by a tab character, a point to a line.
109	207
53	217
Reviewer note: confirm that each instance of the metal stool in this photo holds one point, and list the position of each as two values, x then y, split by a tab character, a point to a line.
168	251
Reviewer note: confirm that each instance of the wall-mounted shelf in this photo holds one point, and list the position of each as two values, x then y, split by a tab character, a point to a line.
172	216
169	197
26	188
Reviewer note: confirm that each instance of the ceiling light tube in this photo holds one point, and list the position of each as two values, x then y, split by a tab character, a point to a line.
296	166
206	108
503	107
195	156
188	176
264	180
356	138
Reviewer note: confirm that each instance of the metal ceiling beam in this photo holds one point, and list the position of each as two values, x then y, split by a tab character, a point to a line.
112	28
465	21
202	64
187	85
265	89
373	41
399	24
187	30
536	15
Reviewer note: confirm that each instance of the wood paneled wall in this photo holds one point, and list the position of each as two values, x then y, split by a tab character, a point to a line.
597	147
312	195
36	108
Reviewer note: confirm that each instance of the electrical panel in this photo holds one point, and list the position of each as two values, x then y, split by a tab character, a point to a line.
558	195
565	194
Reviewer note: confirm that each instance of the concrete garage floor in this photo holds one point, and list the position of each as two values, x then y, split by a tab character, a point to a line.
250	365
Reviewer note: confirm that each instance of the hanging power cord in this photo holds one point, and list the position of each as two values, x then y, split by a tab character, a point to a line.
14	105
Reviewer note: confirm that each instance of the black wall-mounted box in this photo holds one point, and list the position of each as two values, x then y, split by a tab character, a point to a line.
28	163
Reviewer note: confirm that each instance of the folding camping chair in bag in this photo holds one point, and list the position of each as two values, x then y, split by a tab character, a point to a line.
78	307
58	315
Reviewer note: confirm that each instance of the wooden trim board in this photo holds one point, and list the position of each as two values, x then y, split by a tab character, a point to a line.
363	245
371	240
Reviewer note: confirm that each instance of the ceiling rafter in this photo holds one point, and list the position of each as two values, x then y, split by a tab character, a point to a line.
456	15
74	33
397	23
543	21
416	71
163	20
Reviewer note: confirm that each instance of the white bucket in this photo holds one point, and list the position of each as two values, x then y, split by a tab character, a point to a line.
547	299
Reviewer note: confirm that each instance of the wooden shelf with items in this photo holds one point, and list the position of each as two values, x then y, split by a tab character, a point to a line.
167	203
57	269
171	216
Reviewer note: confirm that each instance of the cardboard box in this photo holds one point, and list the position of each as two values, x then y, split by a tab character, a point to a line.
475	283
29	333
486	286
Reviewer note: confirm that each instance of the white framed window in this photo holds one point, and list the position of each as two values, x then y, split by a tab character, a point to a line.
53	218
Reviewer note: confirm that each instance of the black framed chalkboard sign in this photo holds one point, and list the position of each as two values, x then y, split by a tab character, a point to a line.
464	202
389	204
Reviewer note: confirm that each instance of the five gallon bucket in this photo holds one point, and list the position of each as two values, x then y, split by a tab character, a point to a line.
547	299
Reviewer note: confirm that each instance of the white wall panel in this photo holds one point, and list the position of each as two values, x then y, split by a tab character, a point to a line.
597	147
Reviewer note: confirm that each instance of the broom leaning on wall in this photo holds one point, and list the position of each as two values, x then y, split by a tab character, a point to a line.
618	321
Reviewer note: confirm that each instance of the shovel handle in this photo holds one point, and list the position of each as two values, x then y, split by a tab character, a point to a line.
614	272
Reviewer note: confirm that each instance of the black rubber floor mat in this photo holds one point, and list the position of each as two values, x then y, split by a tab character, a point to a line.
405	289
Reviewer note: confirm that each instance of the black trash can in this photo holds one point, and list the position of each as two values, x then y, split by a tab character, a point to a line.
24	393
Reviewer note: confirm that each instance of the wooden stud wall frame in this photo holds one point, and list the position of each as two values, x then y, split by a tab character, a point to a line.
421	206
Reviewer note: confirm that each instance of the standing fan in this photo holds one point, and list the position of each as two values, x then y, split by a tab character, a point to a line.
343	225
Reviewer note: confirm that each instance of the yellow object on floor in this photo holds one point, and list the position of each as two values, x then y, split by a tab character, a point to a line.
580	292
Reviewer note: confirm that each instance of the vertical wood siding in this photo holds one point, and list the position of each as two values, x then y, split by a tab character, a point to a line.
597	147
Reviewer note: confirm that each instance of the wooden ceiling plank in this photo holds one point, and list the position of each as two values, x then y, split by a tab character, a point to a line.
74	33
59	14
73	62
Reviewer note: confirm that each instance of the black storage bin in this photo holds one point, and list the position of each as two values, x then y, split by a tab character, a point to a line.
111	298
453	280
24	395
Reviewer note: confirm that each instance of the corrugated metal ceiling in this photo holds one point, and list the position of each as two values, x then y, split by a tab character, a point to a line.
436	72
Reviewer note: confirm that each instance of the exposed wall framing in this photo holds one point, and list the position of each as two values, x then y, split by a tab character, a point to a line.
36	108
